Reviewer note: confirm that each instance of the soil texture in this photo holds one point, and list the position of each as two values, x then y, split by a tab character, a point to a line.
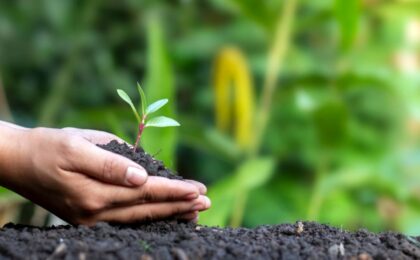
153	167
173	240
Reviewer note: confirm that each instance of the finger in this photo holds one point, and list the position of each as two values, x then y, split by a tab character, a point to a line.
152	211
201	187
105	166
156	189
189	216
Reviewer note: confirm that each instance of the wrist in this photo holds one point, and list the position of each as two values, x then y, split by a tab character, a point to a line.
11	145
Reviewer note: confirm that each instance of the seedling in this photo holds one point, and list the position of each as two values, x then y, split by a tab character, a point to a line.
143	117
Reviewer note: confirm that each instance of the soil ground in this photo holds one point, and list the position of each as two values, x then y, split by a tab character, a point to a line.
187	241
173	240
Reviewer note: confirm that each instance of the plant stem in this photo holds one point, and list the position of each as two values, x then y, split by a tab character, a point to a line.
318	192
142	125
239	209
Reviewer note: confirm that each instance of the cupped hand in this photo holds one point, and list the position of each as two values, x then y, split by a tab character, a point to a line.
65	172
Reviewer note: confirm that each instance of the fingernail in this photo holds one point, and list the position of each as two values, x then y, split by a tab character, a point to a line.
208	202
203	189
191	196
197	207
135	176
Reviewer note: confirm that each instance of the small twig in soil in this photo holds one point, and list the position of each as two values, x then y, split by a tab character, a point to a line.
413	240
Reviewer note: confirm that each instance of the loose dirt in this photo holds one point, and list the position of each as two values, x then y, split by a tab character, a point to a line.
187	241
174	240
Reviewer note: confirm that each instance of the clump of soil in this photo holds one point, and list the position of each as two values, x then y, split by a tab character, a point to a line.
153	167
173	240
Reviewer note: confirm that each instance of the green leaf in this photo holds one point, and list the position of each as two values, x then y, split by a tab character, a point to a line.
156	106
162	121
143	99
331	121
220	194
251	174
127	99
254	173
347	13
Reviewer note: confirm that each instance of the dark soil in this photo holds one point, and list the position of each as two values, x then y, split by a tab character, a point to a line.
173	240
153	167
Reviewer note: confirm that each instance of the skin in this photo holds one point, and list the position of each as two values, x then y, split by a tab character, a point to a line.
65	172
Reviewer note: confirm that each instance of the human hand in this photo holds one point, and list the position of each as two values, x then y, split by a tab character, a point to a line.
65	172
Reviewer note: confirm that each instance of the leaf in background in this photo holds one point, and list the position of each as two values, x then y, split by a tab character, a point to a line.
331	123
253	173
162	121
210	141
155	106
222	196
263	13
127	99
347	13
160	84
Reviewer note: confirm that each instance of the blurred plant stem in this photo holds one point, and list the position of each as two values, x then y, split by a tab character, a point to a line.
317	194
275	61
274	64
4	105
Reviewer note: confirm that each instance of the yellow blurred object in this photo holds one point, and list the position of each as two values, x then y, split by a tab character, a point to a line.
234	91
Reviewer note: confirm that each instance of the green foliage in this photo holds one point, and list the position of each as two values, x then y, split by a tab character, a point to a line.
142	118
330	121
162	121
156	106
348	16
250	175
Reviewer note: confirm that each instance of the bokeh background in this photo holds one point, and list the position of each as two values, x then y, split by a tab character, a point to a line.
290	109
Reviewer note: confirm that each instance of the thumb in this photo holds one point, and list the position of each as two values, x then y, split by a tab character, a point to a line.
108	167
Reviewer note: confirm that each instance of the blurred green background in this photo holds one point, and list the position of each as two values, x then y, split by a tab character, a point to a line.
290	109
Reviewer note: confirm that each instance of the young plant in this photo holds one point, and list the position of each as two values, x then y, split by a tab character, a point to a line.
146	110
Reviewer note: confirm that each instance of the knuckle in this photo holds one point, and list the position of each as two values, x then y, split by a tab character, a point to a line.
148	193
69	145
108	169
91	206
178	209
149	216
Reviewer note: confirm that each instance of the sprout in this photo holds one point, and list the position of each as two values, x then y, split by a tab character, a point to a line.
142	118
